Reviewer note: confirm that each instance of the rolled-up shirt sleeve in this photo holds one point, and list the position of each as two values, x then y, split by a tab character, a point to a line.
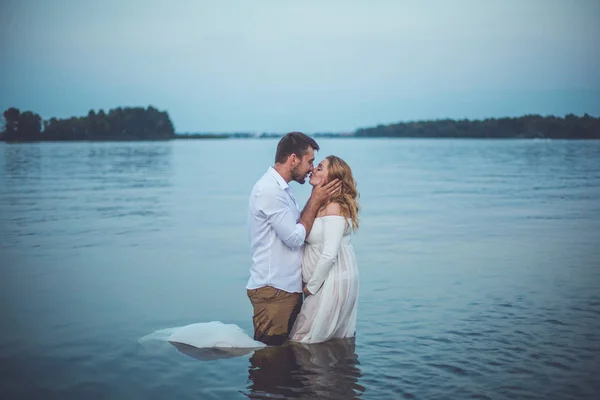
272	203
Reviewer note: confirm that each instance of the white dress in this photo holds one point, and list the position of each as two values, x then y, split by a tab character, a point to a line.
330	271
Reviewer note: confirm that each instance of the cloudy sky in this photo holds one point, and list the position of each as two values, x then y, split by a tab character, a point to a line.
322	65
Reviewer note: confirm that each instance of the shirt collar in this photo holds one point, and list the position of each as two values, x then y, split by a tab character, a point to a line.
278	178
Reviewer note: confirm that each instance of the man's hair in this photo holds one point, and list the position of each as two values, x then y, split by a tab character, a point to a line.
294	143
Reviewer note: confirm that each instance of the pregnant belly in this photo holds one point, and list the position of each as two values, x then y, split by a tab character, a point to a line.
310	257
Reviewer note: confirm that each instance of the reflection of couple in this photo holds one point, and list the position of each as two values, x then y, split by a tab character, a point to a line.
324	370
284	266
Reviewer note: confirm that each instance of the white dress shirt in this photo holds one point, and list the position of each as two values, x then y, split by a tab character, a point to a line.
276	237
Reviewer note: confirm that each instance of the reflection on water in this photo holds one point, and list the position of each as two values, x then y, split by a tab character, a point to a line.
210	353
324	370
64	190
68	159
127	159
22	160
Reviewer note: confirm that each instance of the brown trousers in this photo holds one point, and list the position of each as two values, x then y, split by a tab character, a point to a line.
275	311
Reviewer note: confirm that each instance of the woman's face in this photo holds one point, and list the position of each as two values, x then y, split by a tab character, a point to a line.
319	174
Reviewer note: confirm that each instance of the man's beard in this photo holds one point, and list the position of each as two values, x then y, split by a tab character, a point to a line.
297	177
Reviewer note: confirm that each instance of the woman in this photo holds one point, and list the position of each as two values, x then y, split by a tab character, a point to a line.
329	268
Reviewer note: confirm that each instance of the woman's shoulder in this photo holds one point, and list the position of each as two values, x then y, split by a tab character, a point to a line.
333	209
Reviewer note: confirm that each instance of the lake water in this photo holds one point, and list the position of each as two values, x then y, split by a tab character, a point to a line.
479	263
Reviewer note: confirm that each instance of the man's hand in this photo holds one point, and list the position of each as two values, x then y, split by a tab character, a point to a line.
321	193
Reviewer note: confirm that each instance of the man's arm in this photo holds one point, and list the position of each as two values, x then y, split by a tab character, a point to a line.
309	214
320	194
272	203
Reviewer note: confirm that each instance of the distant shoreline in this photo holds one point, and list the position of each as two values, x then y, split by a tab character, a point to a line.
201	136
151	124
221	138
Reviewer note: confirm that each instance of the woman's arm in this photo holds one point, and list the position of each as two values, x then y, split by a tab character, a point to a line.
333	233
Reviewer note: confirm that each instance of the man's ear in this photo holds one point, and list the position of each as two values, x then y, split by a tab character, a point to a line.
294	158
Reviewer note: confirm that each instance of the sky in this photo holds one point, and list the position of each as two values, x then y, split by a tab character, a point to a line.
312	66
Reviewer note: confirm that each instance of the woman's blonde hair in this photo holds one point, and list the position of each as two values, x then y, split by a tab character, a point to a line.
348	197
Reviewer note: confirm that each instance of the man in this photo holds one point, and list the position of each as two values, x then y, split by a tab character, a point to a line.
277	233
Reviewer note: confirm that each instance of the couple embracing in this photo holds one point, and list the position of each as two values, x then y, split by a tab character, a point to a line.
303	282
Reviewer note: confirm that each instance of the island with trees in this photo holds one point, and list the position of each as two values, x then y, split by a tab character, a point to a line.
129	123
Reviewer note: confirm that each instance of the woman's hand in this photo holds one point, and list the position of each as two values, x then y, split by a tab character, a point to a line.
306	291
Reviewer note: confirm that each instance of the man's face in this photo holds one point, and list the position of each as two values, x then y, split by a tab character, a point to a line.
302	167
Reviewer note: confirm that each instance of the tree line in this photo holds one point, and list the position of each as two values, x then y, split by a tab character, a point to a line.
137	123
528	126
129	123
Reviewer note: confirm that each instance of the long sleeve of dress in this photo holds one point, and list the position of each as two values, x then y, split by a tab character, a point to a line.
333	233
